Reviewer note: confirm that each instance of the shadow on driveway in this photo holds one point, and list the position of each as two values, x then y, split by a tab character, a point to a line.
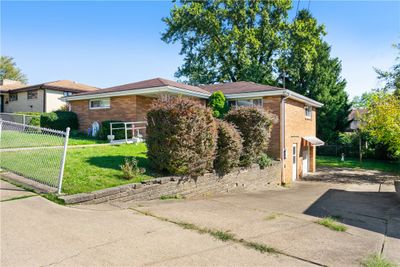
372	211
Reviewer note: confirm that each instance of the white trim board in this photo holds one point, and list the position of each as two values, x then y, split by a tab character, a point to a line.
175	90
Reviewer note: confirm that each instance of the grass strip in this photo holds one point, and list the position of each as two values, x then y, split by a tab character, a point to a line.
225	236
331	223
376	260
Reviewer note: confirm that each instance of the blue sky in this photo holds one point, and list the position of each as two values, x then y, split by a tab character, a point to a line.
110	43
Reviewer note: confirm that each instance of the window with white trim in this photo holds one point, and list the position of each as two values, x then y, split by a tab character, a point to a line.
99	103
67	93
308	112
255	102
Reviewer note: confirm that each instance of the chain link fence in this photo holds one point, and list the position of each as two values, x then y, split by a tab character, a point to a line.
337	150
33	152
28	119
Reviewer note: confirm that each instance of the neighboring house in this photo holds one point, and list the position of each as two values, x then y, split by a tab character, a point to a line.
44	97
354	119
293	139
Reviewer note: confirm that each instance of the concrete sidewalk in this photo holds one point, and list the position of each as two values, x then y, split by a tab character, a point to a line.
37	232
286	220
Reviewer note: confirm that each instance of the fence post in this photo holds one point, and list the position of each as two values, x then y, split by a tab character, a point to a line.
23	119
61	174
1	128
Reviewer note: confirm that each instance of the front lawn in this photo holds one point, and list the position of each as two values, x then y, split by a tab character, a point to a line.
14	139
87	169
368	164
93	168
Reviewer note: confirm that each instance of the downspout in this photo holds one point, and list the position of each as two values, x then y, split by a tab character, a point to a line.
282	121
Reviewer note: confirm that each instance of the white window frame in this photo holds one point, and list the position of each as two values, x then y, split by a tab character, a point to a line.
97	99
307	109
66	93
247	99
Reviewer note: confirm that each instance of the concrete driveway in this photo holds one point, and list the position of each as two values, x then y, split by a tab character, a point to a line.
36	232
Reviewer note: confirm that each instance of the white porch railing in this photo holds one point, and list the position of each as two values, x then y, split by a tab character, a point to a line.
134	132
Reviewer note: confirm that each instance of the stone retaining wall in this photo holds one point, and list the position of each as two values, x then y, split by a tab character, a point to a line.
252	179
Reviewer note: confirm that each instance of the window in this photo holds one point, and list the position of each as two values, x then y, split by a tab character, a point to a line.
13	97
308	112
256	102
67	93
99	103
32	94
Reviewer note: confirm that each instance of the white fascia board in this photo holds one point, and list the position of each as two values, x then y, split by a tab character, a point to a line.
151	90
283	92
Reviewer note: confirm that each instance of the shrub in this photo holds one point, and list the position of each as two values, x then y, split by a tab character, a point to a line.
181	136
130	169
255	126
264	161
217	102
229	148
105	130
59	120
32	118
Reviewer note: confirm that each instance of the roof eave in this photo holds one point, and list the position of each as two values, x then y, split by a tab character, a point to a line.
150	90
278	92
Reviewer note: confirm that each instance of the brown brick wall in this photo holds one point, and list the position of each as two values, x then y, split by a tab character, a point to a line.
125	108
272	104
298	126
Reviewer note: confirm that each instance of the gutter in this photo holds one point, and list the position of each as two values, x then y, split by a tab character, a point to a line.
282	122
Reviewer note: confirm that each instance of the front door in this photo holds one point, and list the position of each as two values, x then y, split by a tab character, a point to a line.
294	162
305	160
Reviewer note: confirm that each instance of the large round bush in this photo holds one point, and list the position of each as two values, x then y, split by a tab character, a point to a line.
181	136
229	148
255	126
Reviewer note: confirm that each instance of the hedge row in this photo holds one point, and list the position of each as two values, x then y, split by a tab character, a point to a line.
59	120
183	138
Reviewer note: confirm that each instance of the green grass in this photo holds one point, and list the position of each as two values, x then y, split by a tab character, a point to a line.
13	139
368	164
377	261
87	169
222	235
332	224
176	196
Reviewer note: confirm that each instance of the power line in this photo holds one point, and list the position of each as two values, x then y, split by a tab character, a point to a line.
308	8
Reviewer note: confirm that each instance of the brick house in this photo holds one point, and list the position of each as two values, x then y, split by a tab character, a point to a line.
293	139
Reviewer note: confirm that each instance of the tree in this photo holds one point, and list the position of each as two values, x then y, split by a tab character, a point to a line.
228	40
316	74
218	104
254	41
392	76
9	70
382	121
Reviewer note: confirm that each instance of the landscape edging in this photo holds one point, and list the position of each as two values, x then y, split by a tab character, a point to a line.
251	179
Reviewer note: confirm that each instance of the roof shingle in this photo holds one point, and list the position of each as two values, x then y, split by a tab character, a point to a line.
238	87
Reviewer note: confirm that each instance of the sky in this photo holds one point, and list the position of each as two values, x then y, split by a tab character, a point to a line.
108	43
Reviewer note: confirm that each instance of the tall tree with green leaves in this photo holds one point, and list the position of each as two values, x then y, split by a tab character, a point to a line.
392	76
316	74
382	121
253	40
9	70
228	40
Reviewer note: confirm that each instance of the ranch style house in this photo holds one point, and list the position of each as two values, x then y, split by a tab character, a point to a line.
293	139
